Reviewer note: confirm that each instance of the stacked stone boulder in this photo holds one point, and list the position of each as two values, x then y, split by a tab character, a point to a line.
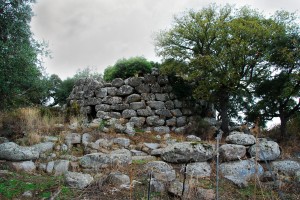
145	102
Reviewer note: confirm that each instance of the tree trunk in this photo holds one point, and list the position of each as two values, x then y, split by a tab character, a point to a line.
283	123
224	101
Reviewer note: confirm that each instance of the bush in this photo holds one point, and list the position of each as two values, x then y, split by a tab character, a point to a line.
29	122
125	68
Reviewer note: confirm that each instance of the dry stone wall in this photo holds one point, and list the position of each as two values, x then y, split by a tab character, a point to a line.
145	102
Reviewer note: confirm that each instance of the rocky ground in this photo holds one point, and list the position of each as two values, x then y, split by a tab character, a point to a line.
86	163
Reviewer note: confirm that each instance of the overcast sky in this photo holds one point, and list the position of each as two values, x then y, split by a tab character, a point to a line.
96	33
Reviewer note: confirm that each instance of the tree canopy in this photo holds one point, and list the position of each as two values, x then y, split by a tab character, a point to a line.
125	68
21	75
221	49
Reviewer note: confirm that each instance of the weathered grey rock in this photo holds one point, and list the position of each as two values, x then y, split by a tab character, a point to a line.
157	152
187	152
43	147
176	187
243	169
112	91
162	80
25	166
197	169
161	129
117	82
117	179
137	105
113	100
181	121
288	167
78	180
242	139
27	194
155	88
119	128
103	142
232	152
163	113
128	113
115	115
50	167
145	112
171	122
267	150
180	130
13	152
101	93
161	171
124	142
72	138
148	78
102	107
148	96
152	145
103	115
176	113
92	101
193	138
169	105
119	107
120	157
125	90
133	98
162	97
130	129
137	121
177	103
137	153
86	138
157	186
60	167
156	105
155	121
186	111
143	88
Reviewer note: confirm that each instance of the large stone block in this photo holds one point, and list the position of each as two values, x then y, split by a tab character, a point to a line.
187	152
133	98
137	105
128	113
156	105
125	90
117	82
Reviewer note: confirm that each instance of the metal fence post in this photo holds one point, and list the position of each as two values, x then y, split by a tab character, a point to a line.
218	138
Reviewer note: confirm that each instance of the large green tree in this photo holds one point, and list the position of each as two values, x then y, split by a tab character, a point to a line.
279	94
221	49
20	73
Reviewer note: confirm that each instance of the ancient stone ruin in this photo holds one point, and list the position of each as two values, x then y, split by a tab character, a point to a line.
147	102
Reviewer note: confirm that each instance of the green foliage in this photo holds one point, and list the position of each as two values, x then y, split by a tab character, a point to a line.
21	78
221	49
60	90
125	68
278	95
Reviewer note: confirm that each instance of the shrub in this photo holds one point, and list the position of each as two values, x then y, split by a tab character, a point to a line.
125	68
